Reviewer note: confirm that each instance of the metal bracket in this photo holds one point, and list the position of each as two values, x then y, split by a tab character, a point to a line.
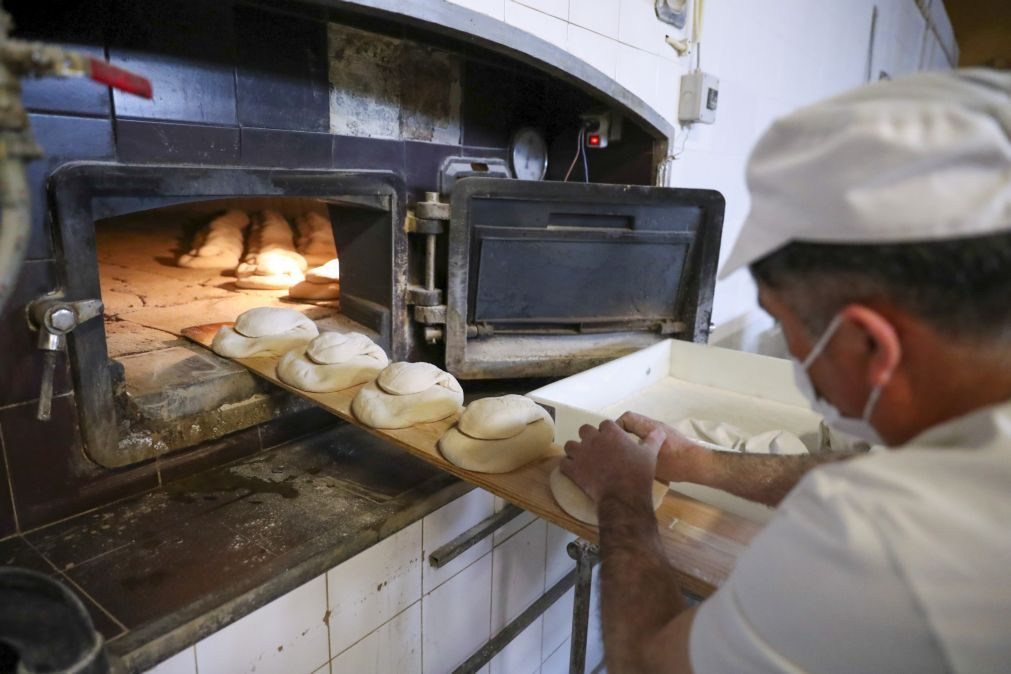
674	12
430	315
471	537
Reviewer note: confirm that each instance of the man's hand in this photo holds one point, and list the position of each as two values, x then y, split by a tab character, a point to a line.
679	459
606	460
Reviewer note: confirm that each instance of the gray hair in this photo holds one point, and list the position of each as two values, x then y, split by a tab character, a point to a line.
960	287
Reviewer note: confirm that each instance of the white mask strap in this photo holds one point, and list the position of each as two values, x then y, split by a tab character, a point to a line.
822	342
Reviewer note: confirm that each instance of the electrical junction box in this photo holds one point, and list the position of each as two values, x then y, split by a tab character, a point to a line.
700	93
601	128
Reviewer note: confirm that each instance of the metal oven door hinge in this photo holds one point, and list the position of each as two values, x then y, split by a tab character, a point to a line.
430	219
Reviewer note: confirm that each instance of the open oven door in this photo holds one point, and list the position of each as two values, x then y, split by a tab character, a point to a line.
547	279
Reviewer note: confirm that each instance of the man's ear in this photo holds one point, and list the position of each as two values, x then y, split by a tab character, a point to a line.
884	346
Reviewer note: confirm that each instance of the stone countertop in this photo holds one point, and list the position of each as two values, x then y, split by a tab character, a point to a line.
163	570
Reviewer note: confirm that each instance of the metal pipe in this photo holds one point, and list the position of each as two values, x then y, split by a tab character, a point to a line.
471	537
505	636
586	555
430	262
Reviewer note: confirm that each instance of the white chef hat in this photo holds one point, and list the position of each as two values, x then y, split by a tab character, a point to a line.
924	157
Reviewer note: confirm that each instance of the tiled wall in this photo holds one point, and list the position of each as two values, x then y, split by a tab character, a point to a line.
236	83
770	57
388	610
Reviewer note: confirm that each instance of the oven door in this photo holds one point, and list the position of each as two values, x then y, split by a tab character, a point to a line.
547	279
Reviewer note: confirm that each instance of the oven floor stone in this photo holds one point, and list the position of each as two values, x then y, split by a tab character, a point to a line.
163	570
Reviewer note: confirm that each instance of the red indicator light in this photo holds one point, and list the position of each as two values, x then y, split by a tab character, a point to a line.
593	140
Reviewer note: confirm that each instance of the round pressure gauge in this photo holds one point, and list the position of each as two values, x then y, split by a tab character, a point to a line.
529	154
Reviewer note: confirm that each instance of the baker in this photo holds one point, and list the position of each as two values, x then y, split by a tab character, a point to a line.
879	238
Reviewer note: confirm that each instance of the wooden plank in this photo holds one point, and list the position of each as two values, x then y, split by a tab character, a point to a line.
702	542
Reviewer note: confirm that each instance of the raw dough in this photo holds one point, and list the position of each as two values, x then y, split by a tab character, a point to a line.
501	417
735	439
332	362
573	500
315	238
406	394
218	245
271	262
498	435
264	331
307	290
327	273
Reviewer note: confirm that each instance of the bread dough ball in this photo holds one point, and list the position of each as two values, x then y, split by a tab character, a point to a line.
498	435
264	331
574	501
407	394
405	378
498	456
306	290
500	417
327	273
333	361
218	245
736	439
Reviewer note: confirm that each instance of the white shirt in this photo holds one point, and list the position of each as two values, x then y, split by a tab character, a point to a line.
898	561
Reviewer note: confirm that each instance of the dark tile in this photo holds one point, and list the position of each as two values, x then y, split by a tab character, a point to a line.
16	551
351	152
106	625
80	539
281	74
8	524
184	565
18	343
496	103
293	149
295	425
62	138
51	476
186	50
186	462
422	162
153	142
73	25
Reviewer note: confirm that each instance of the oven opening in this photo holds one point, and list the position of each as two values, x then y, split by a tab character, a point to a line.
164	269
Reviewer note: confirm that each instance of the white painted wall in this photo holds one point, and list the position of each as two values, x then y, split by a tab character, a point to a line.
771	57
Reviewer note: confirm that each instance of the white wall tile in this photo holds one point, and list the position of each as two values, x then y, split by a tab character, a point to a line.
557	8
518	574
639	27
544	26
558	563
493	8
447	523
393	648
558	661
372	587
183	662
600	16
287	635
637	72
513	525
599	51
456	618
522	655
557	624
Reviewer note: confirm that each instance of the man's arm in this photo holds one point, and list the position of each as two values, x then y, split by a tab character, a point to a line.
763	478
645	625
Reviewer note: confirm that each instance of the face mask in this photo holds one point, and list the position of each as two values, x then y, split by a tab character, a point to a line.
860	428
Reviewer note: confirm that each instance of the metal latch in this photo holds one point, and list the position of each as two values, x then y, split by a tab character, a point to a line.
54	318
429	220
